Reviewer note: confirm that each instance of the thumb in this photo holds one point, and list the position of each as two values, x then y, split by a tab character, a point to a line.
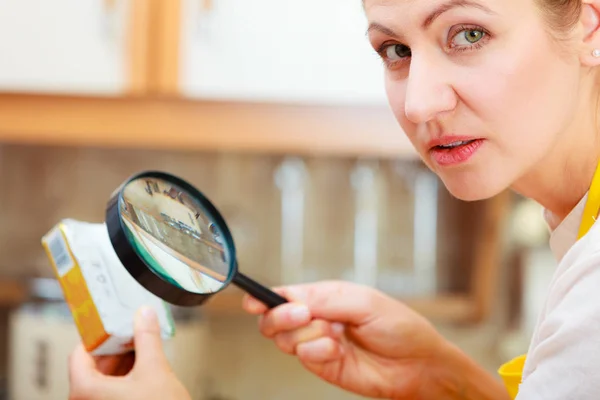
149	351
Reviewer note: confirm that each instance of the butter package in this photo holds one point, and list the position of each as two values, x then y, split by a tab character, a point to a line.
102	295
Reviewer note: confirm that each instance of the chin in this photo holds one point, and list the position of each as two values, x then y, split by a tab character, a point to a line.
472	189
474	182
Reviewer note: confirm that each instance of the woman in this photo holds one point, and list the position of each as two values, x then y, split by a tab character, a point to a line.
493	94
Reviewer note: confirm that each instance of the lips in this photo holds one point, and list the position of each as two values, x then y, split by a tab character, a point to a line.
453	150
450	142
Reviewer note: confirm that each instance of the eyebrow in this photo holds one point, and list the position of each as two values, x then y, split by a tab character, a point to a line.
436	13
442	8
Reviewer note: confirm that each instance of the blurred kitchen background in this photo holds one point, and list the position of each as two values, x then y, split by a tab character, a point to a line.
276	110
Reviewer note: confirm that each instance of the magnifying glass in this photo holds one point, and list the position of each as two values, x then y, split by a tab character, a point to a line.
175	242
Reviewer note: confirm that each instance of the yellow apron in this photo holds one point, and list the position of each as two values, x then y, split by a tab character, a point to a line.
511	372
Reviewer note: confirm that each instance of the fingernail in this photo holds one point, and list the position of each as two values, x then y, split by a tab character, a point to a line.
148	315
252	305
300	313
337	328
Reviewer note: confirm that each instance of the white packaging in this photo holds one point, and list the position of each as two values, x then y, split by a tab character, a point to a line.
102	295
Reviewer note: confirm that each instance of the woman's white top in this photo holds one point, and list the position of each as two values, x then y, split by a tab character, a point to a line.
563	360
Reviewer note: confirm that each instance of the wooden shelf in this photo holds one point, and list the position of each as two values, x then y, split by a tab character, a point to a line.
175	123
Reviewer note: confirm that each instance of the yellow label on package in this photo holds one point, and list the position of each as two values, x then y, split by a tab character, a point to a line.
102	295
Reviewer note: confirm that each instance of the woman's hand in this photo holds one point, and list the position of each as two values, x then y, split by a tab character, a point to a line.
366	342
147	375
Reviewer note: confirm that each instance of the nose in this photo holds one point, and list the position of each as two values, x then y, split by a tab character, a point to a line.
429	91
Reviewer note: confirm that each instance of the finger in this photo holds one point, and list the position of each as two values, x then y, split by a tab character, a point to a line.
148	342
82	368
288	341
283	318
86	382
256	307
338	301
319	351
253	306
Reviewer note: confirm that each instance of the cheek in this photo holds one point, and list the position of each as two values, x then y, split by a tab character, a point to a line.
524	96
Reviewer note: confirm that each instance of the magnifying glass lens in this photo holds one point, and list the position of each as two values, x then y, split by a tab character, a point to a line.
175	236
174	241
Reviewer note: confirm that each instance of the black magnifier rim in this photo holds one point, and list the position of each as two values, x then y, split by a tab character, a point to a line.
137	266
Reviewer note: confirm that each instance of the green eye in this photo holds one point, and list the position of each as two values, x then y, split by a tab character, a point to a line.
473	36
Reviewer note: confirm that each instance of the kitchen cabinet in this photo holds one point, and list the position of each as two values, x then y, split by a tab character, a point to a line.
267	76
289	51
92	47
277	51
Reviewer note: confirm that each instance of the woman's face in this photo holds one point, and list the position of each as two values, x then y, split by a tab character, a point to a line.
479	86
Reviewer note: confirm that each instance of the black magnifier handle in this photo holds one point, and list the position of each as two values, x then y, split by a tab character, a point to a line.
258	291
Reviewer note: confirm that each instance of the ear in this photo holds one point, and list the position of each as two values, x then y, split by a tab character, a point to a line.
590	24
